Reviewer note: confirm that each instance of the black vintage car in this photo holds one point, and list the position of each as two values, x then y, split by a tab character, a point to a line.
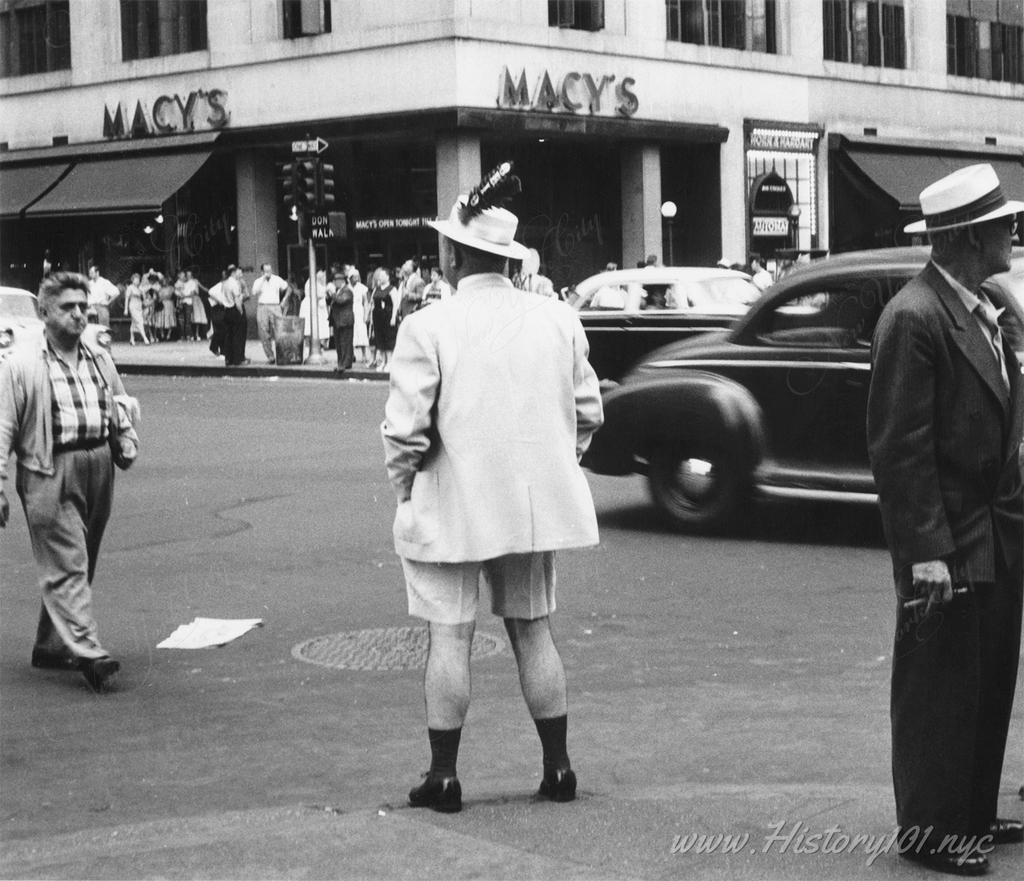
630	312
775	406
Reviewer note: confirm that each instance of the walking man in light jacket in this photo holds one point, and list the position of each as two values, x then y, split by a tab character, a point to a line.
64	410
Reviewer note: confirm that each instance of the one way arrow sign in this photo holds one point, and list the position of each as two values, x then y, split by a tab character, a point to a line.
316	145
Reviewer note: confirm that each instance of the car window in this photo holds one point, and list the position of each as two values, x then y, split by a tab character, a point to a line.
729	295
837	316
17	306
607	298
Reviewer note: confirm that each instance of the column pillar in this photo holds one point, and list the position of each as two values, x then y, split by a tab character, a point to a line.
734	197
458	168
641	203
256	222
257	211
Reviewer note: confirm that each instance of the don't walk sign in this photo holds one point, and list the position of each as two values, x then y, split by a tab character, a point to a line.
328	225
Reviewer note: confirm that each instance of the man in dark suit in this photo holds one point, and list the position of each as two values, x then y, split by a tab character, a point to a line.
945	422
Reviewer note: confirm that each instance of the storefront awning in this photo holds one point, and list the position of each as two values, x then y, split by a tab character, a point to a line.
19	187
119	185
902	175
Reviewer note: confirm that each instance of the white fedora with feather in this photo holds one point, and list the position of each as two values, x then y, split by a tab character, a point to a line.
478	221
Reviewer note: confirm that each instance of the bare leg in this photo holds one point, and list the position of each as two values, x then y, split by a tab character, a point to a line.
541	674
446	683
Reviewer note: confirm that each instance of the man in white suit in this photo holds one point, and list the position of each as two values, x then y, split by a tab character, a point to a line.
492	403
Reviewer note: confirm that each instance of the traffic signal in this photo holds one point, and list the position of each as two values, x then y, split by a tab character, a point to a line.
324	185
299	179
305	191
289	180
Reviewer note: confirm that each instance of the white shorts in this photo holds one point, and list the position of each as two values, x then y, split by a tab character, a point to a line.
520	585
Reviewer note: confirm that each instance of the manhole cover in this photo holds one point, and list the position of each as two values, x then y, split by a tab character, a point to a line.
382	648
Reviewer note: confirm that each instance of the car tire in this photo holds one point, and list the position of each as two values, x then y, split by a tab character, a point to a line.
699	489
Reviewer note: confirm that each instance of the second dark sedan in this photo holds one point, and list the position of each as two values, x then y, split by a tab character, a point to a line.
630	312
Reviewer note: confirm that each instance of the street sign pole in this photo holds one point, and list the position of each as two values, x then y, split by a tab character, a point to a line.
315	354
314	146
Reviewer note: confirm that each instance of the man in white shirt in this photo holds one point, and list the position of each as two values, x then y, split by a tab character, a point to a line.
269	290
759	274
102	292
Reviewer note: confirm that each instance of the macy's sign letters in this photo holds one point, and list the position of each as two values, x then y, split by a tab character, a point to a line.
574	93
200	110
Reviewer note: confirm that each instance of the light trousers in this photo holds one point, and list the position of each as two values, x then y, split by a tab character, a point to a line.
67	514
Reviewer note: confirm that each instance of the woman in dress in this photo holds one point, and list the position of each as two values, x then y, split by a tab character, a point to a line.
360	312
165	319
384	302
195	291
133	302
151	282
323	324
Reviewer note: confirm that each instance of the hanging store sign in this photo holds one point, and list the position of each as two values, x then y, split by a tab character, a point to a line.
371	224
200	110
573	93
770	201
782	140
770	226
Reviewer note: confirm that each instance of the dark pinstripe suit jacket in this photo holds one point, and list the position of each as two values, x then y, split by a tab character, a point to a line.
943	435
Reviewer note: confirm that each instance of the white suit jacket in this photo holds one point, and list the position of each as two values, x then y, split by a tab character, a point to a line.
492	403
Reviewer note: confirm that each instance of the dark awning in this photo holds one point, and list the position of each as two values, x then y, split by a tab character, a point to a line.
902	175
19	187
119	186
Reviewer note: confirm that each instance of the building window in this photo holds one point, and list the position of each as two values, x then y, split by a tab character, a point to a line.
985	40
35	37
731	24
580	15
170	27
869	32
306	18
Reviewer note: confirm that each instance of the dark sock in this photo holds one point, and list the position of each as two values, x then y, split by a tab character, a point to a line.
552	738
444	750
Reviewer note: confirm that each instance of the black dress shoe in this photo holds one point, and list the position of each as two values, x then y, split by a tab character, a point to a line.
1006	831
443	794
558	785
51	659
948	863
99	672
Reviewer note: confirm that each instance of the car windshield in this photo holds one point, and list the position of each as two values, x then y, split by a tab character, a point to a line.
20	307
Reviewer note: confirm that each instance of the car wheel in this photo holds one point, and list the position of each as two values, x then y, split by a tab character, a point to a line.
698	489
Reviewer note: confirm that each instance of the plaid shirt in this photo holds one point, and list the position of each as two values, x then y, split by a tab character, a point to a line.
81	400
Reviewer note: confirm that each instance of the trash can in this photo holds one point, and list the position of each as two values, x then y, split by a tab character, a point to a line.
288	339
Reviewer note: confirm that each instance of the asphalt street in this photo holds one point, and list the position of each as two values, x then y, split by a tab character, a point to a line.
731	686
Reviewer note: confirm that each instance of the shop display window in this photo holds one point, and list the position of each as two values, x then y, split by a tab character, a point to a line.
151	30
732	24
869	32
985	40
35	37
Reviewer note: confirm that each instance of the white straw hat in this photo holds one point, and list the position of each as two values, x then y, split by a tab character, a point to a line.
968	195
492	230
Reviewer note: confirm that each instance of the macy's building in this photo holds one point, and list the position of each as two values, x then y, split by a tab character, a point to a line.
140	132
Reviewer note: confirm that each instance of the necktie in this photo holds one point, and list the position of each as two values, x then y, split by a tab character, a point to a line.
989	316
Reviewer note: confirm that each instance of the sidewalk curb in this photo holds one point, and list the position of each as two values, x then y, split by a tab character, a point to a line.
269	371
